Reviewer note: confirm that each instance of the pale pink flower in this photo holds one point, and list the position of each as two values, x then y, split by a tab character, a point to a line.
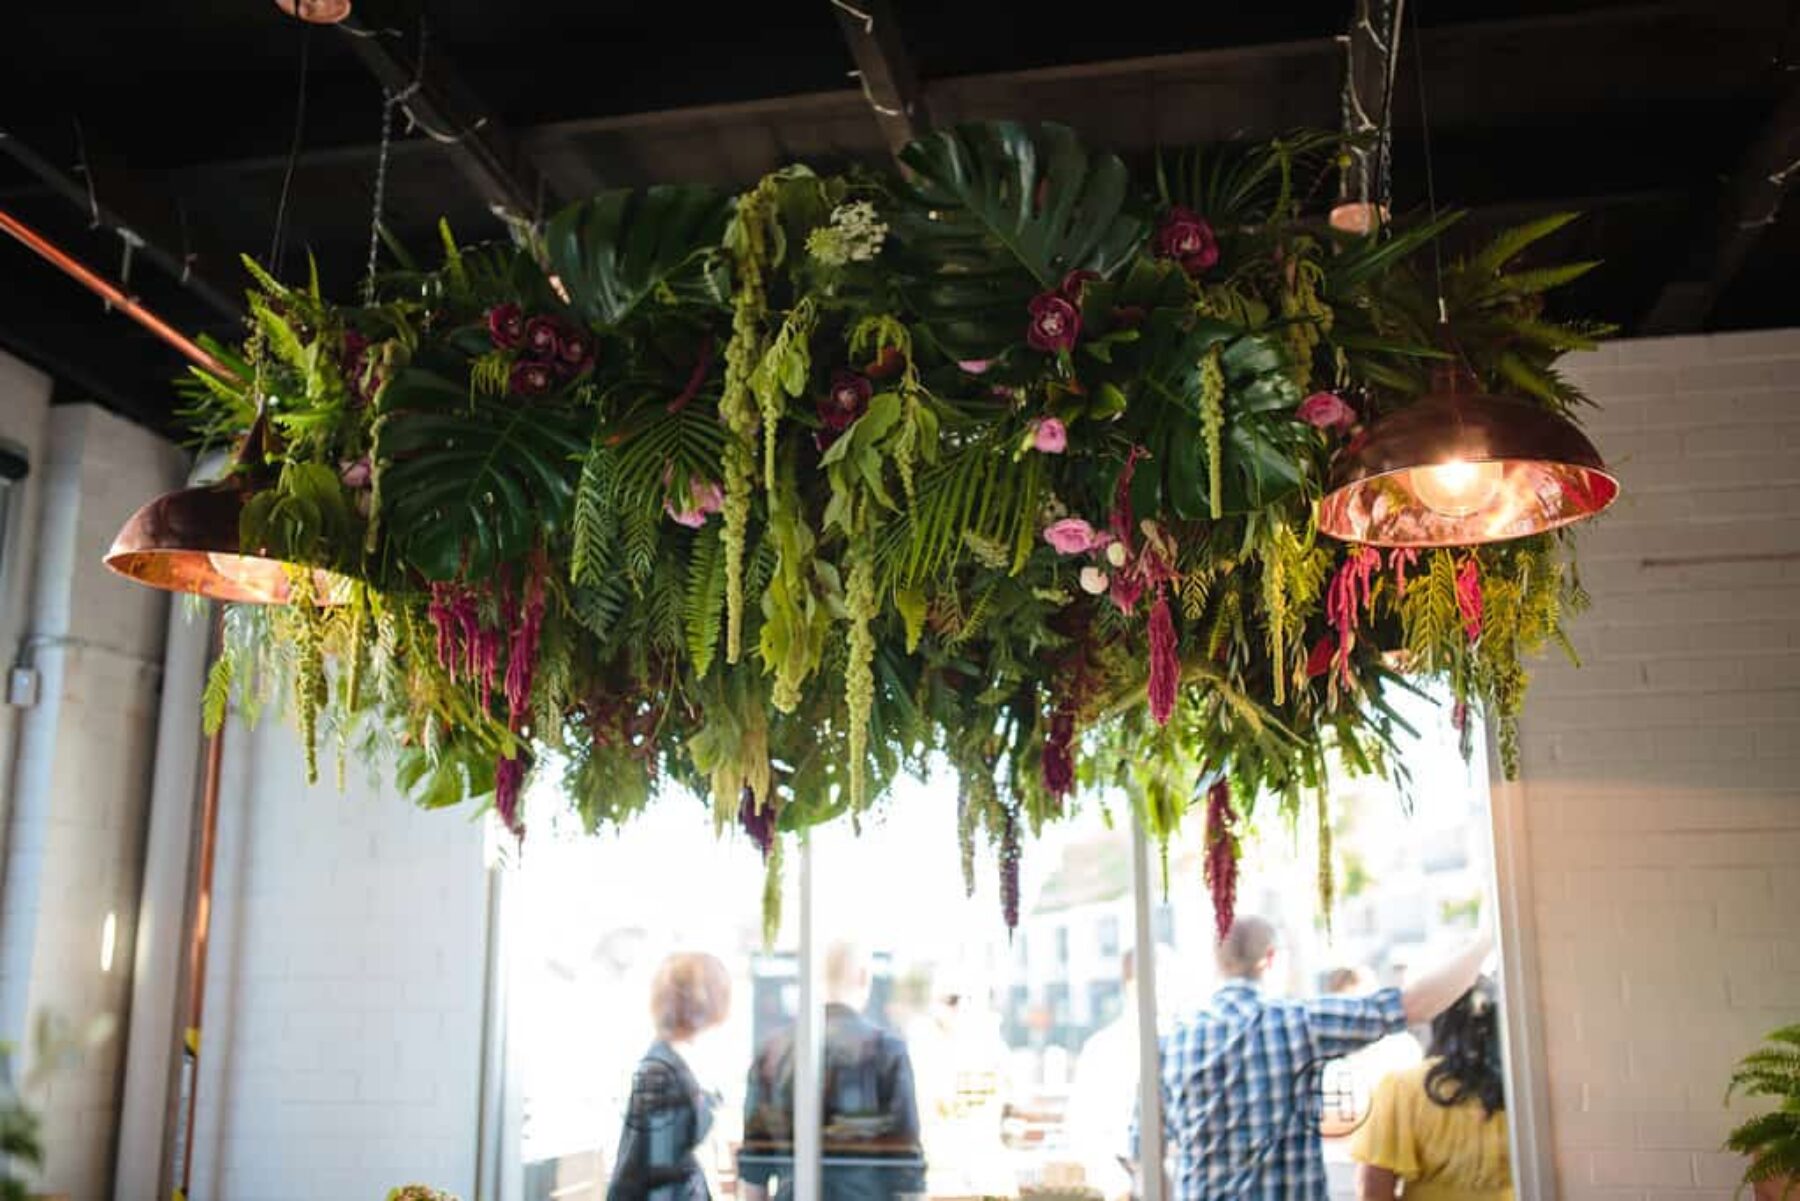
1050	436
1070	536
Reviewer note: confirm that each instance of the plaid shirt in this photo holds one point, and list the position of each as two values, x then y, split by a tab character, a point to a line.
1240	1085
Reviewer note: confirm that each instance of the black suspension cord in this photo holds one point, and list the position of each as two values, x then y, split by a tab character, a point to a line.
278	239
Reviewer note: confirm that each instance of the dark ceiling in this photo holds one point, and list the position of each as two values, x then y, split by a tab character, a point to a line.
1661	120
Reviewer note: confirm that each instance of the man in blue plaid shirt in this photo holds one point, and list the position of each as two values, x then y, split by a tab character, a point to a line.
1240	1079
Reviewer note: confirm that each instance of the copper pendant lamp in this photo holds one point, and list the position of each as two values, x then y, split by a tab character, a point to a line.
189	541
316	12
1462	467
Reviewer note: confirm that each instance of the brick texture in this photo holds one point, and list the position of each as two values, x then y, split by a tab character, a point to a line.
341	1050
1660	778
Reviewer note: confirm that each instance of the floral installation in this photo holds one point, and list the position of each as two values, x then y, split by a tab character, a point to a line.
776	497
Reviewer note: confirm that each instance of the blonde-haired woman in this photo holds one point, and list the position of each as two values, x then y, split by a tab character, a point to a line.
669	1113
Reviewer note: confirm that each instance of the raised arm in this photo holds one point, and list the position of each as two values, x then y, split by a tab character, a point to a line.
1435	990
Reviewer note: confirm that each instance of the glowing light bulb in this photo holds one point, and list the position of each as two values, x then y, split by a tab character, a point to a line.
1457	488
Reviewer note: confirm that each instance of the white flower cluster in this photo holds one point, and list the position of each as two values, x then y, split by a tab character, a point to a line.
855	235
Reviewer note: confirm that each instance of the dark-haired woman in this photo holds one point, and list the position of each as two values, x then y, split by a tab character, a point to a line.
1440	1128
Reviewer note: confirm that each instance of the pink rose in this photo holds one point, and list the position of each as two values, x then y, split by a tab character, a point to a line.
1327	411
705	498
1050	437
1185	236
506	326
1070	536
542	337
531	379
1055	324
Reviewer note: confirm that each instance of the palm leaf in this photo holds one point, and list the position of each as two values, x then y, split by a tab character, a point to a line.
622	248
1510	243
993	213
469	482
1264	447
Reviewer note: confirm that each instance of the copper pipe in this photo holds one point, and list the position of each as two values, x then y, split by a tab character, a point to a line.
183	1169
110	292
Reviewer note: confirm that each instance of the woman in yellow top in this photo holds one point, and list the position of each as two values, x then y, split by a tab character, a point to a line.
1439	1129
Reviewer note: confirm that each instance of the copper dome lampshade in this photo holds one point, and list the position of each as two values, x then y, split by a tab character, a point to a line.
189	541
316	12
1462	467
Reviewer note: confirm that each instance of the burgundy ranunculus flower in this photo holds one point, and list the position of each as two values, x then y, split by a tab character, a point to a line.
1055	324
847	400
531	379
1326	411
574	350
890	362
1185	237
506	326
542	337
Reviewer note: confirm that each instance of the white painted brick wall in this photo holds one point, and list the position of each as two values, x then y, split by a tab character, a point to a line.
79	781
1662	779
341	1051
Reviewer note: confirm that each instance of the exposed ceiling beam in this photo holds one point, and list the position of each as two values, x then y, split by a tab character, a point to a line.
436	99
133	216
1749	202
886	69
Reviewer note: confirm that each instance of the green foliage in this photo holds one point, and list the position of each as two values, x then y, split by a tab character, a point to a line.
621	523
469	482
996	212
1772	1139
622	250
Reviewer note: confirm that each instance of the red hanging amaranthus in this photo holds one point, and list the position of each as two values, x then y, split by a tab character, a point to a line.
1468	597
1221	856
758	821
1345	600
1009	873
509	784
521	655
1059	754
466	648
1165	662
1400	560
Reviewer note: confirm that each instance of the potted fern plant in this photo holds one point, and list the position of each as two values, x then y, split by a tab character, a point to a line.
1772	1139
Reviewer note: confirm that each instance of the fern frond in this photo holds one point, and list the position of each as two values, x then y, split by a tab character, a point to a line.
594	529
217	696
703	609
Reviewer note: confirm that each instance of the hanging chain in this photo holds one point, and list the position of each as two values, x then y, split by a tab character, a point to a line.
381	170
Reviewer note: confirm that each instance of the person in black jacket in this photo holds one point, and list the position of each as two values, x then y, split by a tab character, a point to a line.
871	1115
669	1113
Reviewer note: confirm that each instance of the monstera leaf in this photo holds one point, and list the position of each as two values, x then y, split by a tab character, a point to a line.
621	248
1264	448
470	482
995	213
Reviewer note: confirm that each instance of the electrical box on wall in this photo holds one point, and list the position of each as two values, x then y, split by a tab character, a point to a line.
22	685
